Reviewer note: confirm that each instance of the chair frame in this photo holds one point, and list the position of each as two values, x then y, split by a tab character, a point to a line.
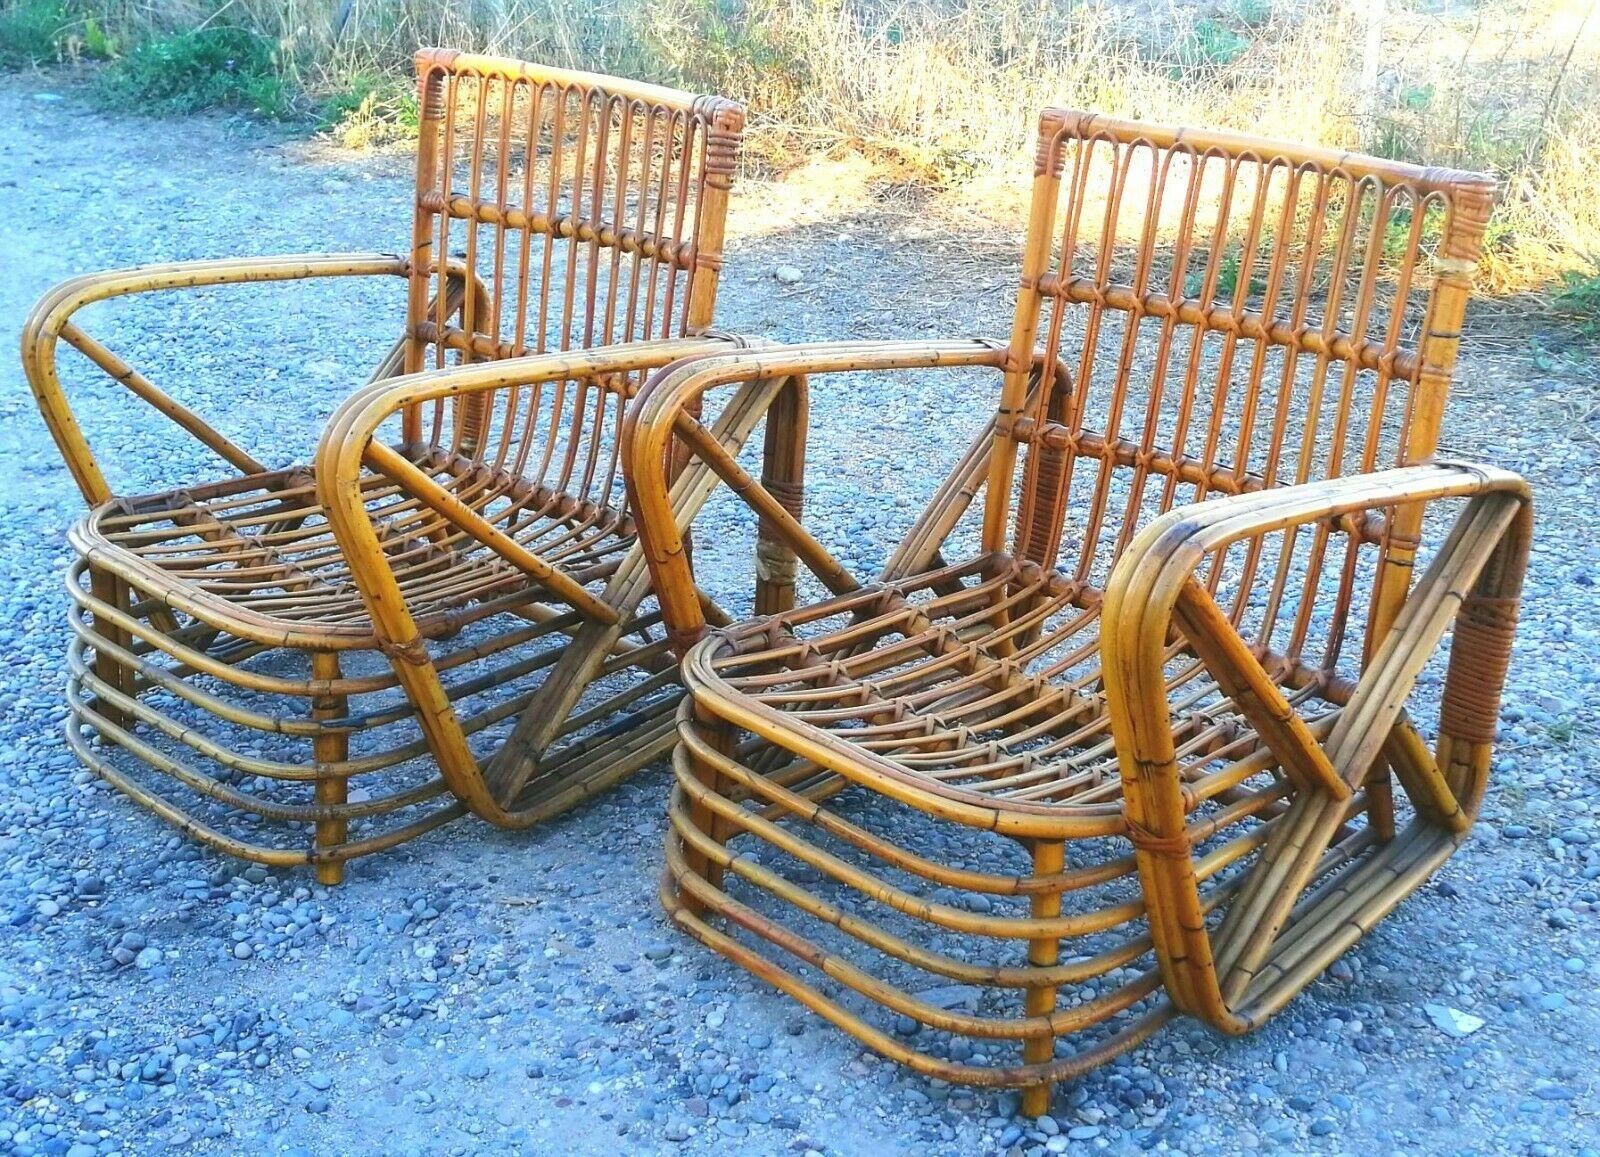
1228	949
138	629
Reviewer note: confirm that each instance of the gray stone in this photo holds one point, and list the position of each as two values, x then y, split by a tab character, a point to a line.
1452	1021
951	996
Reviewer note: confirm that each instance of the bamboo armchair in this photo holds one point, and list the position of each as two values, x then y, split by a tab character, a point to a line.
567	236
1131	752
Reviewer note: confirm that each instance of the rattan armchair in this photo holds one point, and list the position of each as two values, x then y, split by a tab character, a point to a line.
1007	808
567	237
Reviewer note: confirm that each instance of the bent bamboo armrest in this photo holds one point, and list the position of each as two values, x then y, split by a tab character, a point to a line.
349	443
1475	581
662	412
1153	586
51	321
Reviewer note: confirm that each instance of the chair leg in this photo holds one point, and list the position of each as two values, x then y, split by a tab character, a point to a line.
1043	952
1380	801
719	735
783	474
109	589
329	746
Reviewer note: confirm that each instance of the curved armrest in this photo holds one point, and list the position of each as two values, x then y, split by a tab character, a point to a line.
661	412
349	443
1151	576
51	320
1475	581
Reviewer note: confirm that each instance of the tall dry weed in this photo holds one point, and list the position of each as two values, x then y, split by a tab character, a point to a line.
944	93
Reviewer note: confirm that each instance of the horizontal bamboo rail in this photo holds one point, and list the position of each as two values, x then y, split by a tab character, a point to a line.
1230	319
565	226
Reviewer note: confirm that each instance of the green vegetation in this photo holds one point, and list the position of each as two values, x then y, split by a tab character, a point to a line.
31	32
1210	44
34	32
715	38
1253	13
1227	277
219	67
1580	299
372	110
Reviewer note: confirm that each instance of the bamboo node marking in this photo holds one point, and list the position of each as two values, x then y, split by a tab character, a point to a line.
775	563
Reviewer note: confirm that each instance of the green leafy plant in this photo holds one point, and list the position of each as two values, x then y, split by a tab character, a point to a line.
1397	232
207	68
1209	45
31	31
1227	277
1253	13
95	41
1542	357
1416	97
372	110
1580	299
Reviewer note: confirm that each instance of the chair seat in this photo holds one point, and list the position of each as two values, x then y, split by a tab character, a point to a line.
976	685
255	556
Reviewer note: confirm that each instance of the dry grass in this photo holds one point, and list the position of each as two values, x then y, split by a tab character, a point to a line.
944	93
1549	224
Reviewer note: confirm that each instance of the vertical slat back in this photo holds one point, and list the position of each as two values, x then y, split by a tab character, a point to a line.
588	211
1228	314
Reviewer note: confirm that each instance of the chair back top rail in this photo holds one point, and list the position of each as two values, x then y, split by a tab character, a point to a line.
451	60
1059	124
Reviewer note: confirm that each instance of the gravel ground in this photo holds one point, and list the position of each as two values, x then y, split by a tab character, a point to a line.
483	992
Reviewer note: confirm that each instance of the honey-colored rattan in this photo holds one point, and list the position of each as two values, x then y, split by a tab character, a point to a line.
568	235
1127	748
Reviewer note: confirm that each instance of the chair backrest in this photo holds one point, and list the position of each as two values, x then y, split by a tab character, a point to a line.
588	210
1223	313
